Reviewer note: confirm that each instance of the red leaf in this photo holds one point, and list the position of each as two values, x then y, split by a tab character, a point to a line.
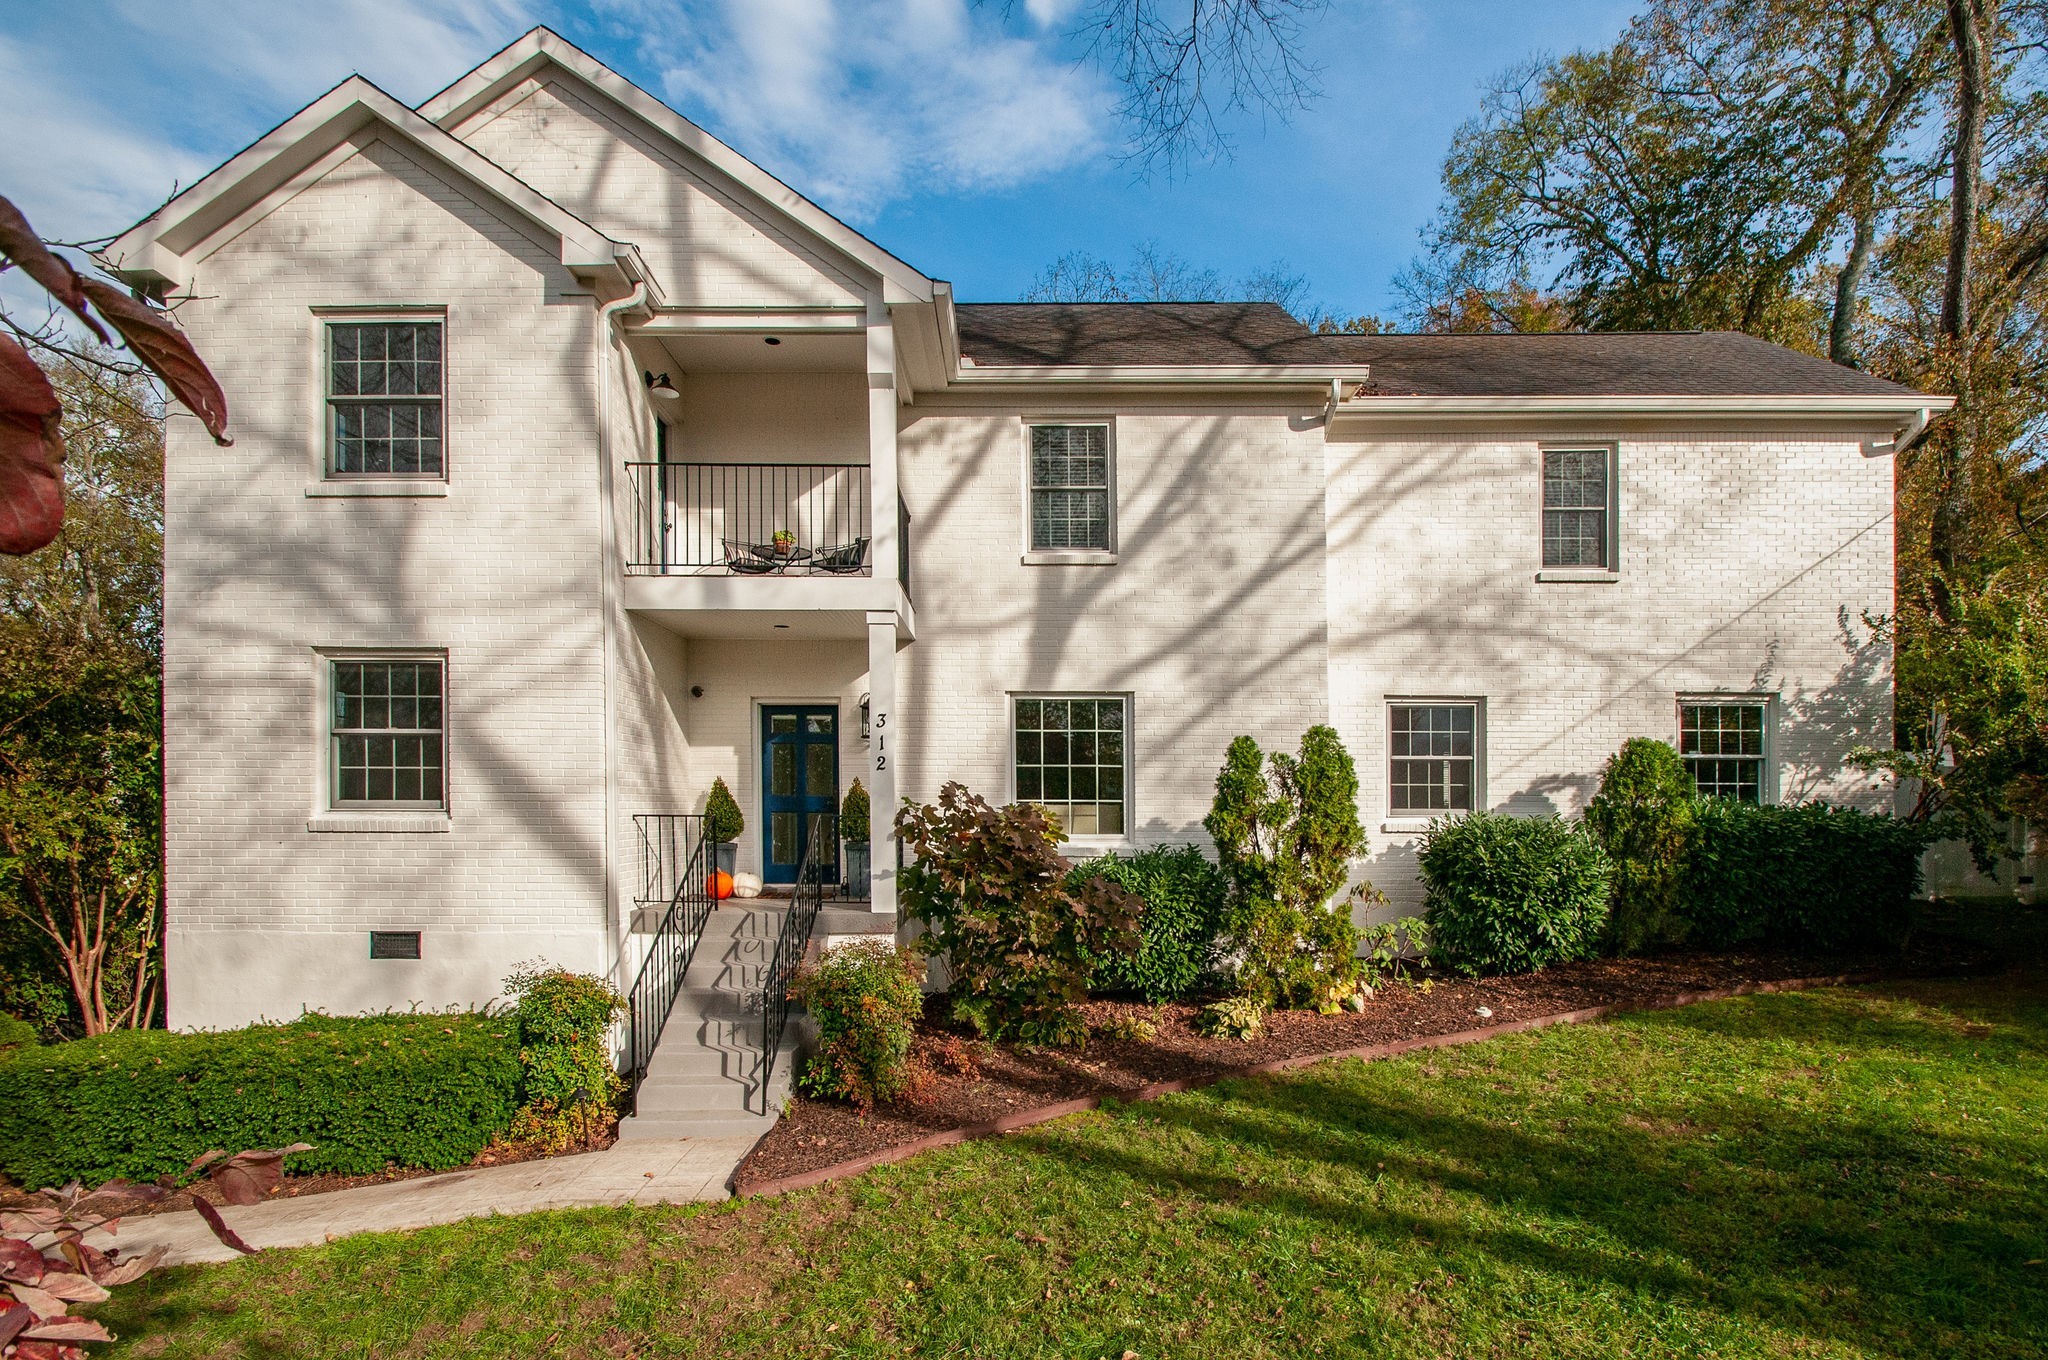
20	1261
31	450
68	1329
162	346
247	1177
72	1288
220	1227
14	1319
43	1304
19	243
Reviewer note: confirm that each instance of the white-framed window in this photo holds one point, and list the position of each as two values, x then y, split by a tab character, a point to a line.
1726	746
1069	754
1070	491
1578	507
1433	756
385	385
387	732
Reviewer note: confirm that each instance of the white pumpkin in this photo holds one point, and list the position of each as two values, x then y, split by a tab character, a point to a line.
746	885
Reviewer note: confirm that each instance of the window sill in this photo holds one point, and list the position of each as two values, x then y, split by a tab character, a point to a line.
370	488
1581	575
1411	826
1069	557
400	822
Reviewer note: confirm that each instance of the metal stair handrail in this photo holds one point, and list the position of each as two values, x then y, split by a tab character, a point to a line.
674	943
820	859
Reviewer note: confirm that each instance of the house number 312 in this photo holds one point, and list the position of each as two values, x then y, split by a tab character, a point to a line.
881	741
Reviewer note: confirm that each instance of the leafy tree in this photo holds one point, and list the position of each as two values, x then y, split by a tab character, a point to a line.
1286	830
1643	817
80	756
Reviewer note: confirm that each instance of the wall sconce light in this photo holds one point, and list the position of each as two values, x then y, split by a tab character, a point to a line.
696	691
661	387
863	717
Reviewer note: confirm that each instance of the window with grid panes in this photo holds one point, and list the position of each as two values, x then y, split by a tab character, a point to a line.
1432	758
1575	507
387	734
1070	501
1070	759
1723	747
384	393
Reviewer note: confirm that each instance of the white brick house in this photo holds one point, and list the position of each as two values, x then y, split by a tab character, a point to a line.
521	376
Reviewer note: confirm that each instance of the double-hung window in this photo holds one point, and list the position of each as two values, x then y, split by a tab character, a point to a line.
1433	758
1070	491
1070	758
1578	515
384	391
1724	748
389	747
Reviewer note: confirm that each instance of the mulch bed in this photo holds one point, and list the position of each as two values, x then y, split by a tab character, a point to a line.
814	1135
293	1186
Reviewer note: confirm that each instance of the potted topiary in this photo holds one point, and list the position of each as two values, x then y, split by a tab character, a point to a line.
853	829
723	821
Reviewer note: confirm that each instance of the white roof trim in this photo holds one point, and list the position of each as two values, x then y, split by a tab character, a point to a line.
1008	375
542	47
164	245
1366	408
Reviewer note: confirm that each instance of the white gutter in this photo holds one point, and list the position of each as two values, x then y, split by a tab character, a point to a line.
1298	375
1905	438
608	574
1905	404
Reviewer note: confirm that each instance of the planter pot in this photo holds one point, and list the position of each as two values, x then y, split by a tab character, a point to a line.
857	869
726	856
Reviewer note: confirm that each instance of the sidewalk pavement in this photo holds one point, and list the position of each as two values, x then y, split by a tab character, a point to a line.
668	1171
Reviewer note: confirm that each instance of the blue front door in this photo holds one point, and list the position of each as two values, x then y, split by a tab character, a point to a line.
799	777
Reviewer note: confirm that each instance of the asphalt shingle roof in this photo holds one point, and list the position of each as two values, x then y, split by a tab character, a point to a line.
1677	363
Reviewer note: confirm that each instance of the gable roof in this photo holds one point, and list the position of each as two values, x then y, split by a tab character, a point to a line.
160	247
1606	364
1100	334
542	48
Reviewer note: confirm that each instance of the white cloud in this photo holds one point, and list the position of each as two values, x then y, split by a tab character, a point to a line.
1047	13
859	102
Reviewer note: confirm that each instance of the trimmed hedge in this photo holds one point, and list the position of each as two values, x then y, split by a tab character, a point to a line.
1512	894
1185	896
1809	875
367	1092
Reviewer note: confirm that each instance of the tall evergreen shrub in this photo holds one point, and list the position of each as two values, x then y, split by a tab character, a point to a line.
1643	817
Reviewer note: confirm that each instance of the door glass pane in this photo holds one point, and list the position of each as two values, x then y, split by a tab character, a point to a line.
782	723
782	771
819	724
818	772
782	837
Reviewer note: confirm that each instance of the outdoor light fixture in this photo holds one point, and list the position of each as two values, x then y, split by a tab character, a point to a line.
771	339
863	717
661	387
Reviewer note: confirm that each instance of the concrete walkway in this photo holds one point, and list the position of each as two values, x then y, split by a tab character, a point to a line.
671	1171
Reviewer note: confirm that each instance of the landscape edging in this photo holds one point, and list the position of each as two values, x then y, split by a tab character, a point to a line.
1040	1114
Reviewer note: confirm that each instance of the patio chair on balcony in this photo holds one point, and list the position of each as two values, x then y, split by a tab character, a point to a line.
844	560
742	560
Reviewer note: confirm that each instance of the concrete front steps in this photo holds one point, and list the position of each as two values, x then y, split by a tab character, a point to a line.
704	1080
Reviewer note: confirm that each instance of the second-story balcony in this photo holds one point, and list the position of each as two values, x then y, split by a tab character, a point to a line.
750	519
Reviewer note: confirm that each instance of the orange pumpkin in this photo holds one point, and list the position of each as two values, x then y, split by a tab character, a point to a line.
721	884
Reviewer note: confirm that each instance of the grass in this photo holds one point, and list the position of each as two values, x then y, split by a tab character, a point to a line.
1859	1172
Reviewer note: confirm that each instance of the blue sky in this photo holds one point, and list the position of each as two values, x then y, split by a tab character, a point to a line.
968	138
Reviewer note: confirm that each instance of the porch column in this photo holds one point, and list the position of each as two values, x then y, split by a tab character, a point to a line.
885	757
883	400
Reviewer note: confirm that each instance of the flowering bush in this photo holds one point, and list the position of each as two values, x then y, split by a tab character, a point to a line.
865	997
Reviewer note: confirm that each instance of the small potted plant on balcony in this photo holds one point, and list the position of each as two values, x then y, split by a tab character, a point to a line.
853	829
785	542
723	822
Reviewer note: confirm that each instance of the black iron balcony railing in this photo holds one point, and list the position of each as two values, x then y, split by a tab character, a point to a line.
818	867
676	865
750	519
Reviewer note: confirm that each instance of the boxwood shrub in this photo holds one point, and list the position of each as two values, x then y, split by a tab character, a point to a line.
1809	875
1512	894
1184	903
366	1092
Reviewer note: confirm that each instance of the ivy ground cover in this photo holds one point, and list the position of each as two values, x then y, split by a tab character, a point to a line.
1857	1172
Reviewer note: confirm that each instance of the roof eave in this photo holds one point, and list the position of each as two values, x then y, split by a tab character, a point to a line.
1370	409
1157	375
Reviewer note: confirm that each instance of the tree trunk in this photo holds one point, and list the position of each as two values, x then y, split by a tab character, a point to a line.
1970	22
1842	326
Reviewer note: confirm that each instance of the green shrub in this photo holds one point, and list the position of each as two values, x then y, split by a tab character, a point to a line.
1184	896
1512	894
1286	830
565	1056
1135	1028
853	815
1234	1017
1385	945
1643	818
866	998
367	1092
1019	936
1809	875
17	1034
722	819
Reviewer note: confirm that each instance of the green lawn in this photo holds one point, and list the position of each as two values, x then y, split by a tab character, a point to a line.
1858	1172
